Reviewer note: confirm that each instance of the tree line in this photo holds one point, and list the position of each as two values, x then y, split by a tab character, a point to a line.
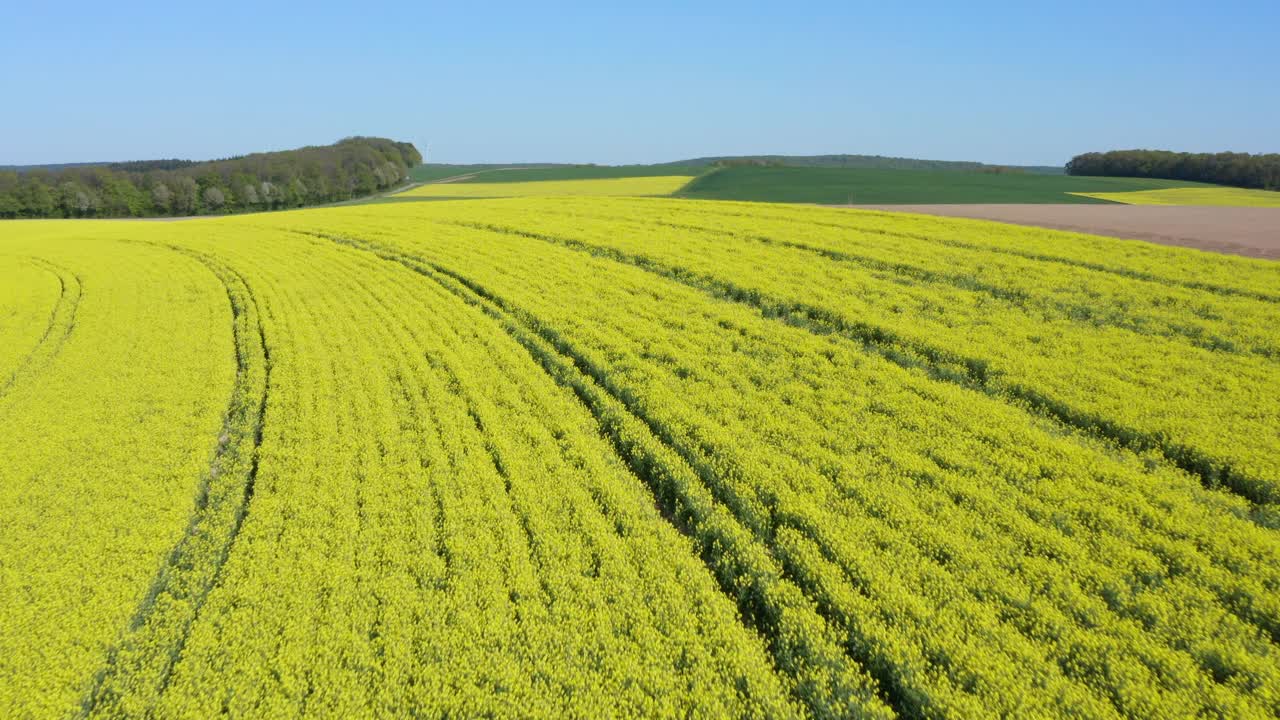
1236	169
350	168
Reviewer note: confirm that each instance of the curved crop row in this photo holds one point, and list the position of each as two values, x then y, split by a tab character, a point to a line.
436	528
102	457
138	669
627	457
1144	391
1219	274
40	301
881	520
1215	321
802	644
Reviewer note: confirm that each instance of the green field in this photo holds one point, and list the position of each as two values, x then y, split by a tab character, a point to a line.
859	186
879	162
584	172
633	457
836	186
432	173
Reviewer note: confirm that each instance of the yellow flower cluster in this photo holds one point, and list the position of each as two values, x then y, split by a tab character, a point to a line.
660	185
37	299
1219	196
107	429
633	457
1151	365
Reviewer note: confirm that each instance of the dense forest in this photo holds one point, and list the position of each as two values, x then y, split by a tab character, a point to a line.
1237	169
350	168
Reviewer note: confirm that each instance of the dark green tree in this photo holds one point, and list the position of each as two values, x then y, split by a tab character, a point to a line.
352	167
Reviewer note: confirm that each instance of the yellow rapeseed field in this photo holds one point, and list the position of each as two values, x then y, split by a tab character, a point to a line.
633	457
1221	196
633	186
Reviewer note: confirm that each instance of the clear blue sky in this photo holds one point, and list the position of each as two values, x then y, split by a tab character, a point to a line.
1007	82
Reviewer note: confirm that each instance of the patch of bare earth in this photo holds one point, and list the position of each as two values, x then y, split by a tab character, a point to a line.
1248	231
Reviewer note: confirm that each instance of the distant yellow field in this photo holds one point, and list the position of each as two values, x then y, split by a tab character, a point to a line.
1236	197
636	186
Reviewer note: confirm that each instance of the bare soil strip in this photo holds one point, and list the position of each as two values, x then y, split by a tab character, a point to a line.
1248	231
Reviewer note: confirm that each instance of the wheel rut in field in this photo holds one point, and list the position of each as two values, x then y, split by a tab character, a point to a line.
937	363
447	369
812	322
62	320
903	269
764	525
1014	297
1032	255
152	643
689	496
1093	266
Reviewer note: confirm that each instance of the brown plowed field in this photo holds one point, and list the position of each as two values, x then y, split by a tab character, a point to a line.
1254	232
